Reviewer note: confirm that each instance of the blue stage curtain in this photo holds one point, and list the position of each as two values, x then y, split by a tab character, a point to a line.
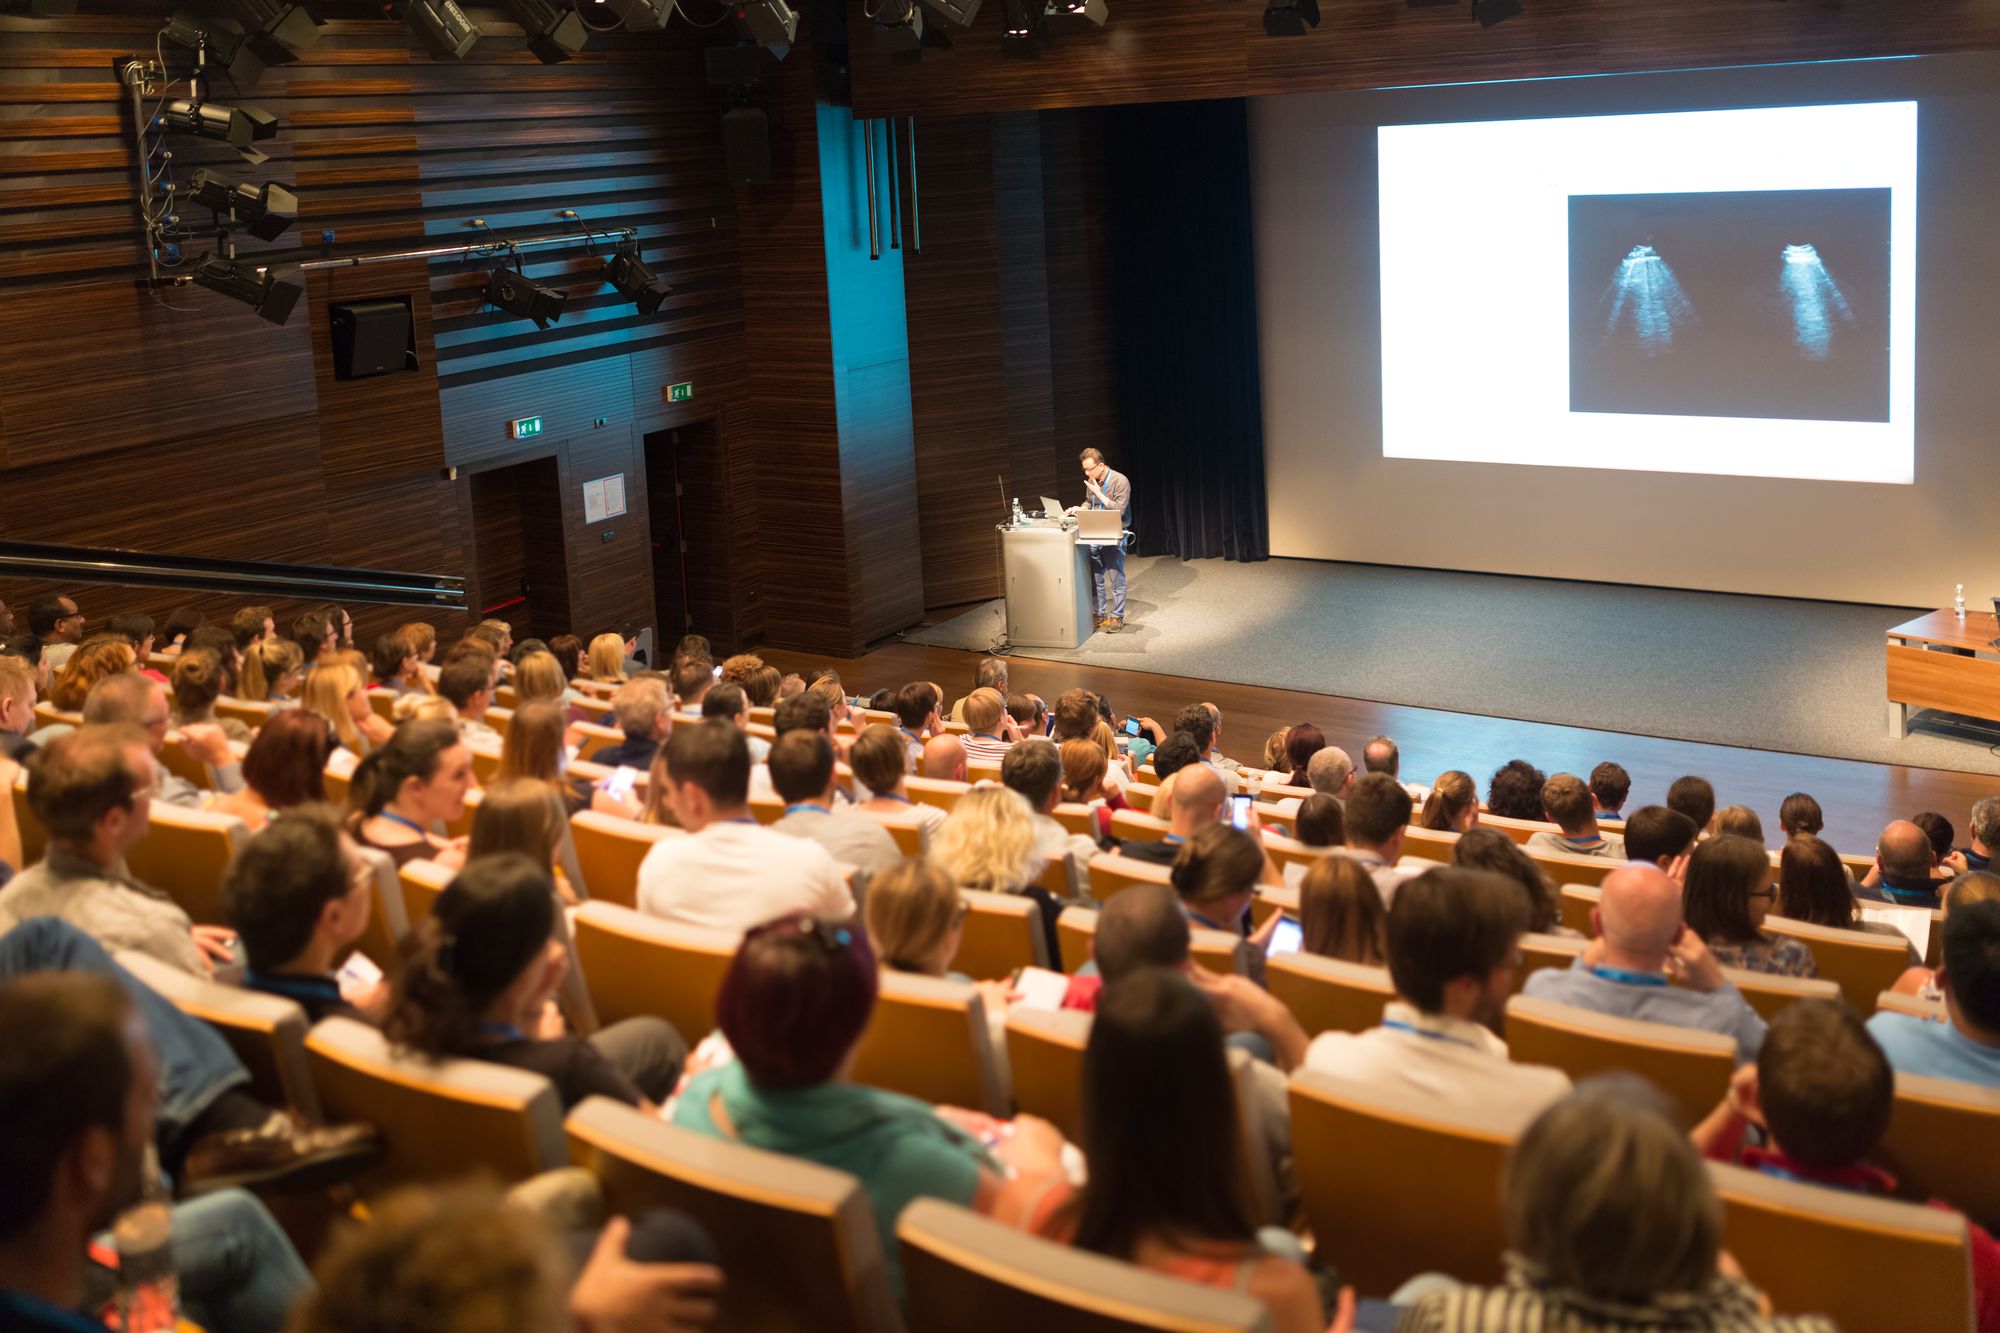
1183	278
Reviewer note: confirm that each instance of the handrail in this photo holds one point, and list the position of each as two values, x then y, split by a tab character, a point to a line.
332	583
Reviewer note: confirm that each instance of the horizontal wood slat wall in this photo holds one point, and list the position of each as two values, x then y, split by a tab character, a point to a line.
1177	50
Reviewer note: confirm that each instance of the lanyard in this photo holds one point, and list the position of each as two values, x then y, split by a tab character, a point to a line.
984	736
891	796
504	1031
311	988
1398	1025
406	822
1627	977
807	805
1908	897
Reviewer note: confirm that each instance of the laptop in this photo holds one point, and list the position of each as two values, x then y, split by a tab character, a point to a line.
1051	507
1105	526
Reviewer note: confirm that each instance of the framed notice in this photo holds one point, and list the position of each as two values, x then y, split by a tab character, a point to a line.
604	498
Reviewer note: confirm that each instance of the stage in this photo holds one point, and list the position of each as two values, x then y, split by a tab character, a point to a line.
1766	673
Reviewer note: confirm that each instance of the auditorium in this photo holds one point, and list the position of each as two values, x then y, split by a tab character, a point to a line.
955	666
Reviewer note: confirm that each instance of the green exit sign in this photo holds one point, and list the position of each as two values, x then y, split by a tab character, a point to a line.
680	393
526	428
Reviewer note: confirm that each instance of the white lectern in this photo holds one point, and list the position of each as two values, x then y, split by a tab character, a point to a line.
1048	585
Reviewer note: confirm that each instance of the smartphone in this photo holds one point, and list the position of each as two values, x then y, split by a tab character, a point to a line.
1239	811
715	673
1132	726
620	782
1288	936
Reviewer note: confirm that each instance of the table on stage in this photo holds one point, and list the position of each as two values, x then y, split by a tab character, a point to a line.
1944	660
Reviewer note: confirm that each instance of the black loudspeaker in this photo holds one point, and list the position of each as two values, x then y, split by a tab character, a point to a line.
746	144
373	338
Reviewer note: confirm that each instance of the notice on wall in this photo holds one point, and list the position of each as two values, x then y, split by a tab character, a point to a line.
604	498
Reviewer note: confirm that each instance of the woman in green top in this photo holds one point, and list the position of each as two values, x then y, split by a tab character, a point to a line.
793	1005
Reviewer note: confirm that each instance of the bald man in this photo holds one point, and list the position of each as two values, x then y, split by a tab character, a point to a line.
1903	864
1641	939
1194	803
944	757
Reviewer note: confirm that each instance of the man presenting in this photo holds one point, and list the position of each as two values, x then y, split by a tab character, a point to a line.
1107	490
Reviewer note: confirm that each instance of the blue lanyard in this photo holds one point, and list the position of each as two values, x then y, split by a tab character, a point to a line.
1909	897
406	822
914	738
984	736
891	796
807	805
742	819
1398	1025
308	988
1627	977
504	1031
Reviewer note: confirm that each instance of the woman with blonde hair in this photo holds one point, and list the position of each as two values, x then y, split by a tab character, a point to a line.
424	708
538	676
915	916
987	842
335	692
1453	805
271	671
606	660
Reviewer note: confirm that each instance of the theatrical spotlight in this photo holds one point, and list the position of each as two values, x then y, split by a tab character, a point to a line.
279	31
1290	18
899	25
1075	15
237	126
636	282
263	210
958	13
224	44
641	15
1022	29
771	24
271	292
443	27
555	32
1490	12
518	294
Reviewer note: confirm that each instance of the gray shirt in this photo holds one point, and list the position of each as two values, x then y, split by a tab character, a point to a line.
1721	1010
1118	491
114	909
177	790
849	838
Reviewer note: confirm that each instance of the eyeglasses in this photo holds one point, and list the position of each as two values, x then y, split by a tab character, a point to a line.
1765	893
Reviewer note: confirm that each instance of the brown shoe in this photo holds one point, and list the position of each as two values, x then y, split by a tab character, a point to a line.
282	1153
1113	624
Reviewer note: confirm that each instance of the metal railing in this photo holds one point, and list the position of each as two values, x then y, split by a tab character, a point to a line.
257	578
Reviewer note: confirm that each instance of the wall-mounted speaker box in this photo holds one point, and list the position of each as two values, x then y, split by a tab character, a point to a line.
746	144
373	338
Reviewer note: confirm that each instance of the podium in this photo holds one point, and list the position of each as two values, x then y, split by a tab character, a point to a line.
1047	573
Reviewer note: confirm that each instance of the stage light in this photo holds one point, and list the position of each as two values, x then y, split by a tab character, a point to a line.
1021	31
520	295
772	24
224	43
237	126
958	13
1290	18
636	282
442	26
1075	15
899	26
271	292
555	32
1490	12
264	210
641	15
279	31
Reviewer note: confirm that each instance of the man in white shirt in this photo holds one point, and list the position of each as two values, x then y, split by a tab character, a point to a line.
992	731
1376	814
730	873
1034	769
1330	772
1566	801
1454	945
801	768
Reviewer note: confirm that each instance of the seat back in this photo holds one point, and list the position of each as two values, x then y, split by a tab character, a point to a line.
1940	1141
1128	825
1393	1187
1866	1263
1002	932
1578	902
420	883
249	712
798	1239
969	1274
437	1120
1328	995
610	849
1045	1062
940	792
1520	830
1109	874
387	921
34	838
267	1032
591	737
1861	964
1077	927
185	854
1572	868
174	757
1690	1066
1539	951
1076	817
1769	995
928	1038
639	964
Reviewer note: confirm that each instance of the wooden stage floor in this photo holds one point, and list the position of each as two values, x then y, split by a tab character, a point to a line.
1858	798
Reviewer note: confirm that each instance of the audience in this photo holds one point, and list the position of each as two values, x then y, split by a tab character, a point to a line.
1612	1224
1376	814
272	669
97	661
1301	744
1661	837
942	757
196	683
285	767
299	896
467	681
1491	850
1200	724
1901	874
1695	798
793	1005
1033	768
802	771
526	817
1978	887
1800	813
534	749
731	872
1624	972
1329	772
1967	1046
992	729
479	978
398	664
1341	914
17	708
1740	821
1568	804
1515	791
1727	896
1320	822
1983	826
880	762
1216	875
916	708
1940	832
1813	887
989	673
58	622
728	703
132	700
988	843
645	715
1452	805
406	789
337	693
1194	803
1610	785
1084	766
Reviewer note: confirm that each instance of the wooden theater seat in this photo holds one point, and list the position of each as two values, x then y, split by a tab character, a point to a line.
1132	825
1861	964
639	964
1045	1061
970	1274
438	1121
940	792
266	1032
420	883
1002	932
1394	1187
1328	995
185	854
387	922
798	1240
590	738
1539	951
610	849
1690	1066
1940	1144
1769	995
1077	926
928	1038
34	838
249	712
1109	873
1578	902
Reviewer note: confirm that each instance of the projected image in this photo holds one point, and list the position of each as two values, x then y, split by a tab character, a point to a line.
1766	304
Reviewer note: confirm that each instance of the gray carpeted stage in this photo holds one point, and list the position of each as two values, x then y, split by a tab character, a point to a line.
1763	672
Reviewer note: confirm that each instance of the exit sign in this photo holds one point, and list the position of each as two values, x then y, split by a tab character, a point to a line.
680	393
526	428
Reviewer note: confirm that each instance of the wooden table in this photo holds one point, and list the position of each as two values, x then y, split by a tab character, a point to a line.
1943	660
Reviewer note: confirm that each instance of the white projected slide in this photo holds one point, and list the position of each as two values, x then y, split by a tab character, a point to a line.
1724	292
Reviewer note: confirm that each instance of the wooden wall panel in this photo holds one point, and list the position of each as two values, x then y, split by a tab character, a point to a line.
1175	50
1018	203
610	562
1075	184
386	425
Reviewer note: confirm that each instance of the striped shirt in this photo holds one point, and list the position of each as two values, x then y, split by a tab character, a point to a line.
1728	1305
985	748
